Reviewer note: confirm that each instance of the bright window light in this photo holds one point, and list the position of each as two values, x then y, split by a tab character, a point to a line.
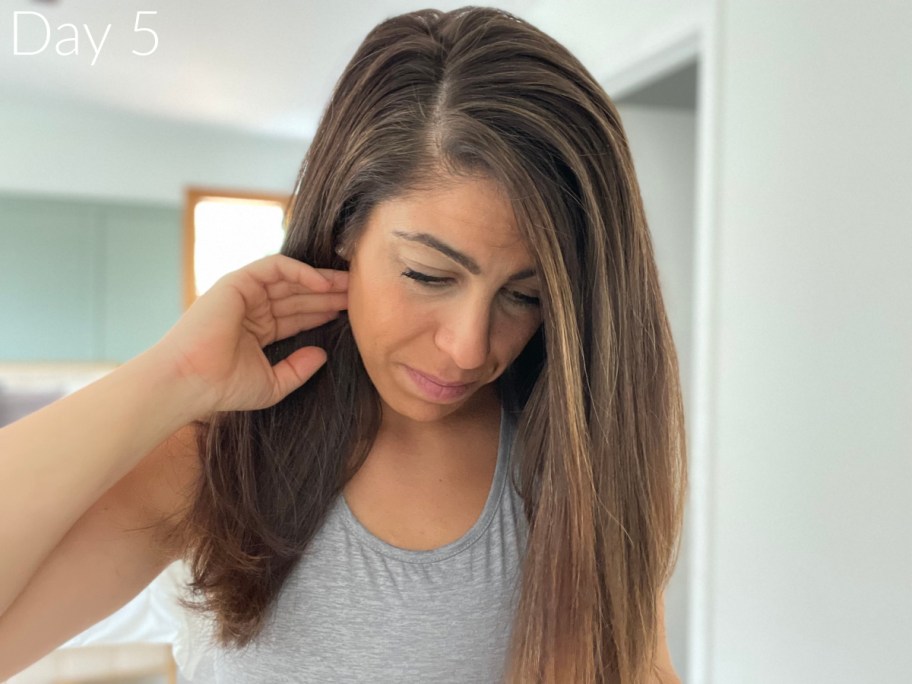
230	233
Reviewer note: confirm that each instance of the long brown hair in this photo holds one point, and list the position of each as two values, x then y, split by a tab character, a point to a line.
601	434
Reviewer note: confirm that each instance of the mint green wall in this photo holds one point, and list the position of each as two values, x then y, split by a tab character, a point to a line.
86	280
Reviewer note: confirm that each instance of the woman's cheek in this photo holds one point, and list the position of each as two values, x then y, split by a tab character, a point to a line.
392	303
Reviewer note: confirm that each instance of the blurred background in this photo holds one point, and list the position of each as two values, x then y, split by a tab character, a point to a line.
148	147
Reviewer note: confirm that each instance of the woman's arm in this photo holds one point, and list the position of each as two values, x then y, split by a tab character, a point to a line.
56	462
115	549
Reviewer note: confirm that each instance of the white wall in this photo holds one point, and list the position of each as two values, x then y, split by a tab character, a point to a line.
811	542
662	142
611	36
87	151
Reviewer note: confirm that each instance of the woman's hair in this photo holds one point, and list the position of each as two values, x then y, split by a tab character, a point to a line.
427	97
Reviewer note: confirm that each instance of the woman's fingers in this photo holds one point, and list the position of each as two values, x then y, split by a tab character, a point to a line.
338	279
296	369
278	267
309	303
292	325
284	288
284	296
277	275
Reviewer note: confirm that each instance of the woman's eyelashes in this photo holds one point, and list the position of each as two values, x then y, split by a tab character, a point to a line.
435	282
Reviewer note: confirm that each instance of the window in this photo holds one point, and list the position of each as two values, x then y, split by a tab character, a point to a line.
225	230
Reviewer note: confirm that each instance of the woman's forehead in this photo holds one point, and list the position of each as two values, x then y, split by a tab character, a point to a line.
463	206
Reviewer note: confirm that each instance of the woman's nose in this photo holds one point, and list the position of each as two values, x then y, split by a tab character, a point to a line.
465	333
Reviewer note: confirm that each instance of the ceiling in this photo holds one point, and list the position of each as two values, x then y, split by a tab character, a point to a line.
219	62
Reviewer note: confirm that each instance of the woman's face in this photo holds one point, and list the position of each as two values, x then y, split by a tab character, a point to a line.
468	323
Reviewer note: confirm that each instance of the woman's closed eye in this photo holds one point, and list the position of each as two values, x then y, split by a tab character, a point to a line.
435	282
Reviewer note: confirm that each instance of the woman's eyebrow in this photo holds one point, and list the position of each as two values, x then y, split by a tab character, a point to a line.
463	260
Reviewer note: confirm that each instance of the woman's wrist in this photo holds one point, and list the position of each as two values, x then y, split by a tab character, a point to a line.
180	397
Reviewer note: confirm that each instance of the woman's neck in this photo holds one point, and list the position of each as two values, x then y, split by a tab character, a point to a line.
438	445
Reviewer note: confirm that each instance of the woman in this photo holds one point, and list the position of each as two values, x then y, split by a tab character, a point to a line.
515	516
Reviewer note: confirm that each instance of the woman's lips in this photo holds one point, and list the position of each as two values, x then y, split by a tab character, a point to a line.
434	390
442	383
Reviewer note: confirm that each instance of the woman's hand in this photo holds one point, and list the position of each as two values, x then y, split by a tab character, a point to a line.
217	345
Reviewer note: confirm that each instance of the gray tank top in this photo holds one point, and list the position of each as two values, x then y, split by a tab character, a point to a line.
357	609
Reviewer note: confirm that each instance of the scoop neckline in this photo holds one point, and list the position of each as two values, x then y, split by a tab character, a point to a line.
452	548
